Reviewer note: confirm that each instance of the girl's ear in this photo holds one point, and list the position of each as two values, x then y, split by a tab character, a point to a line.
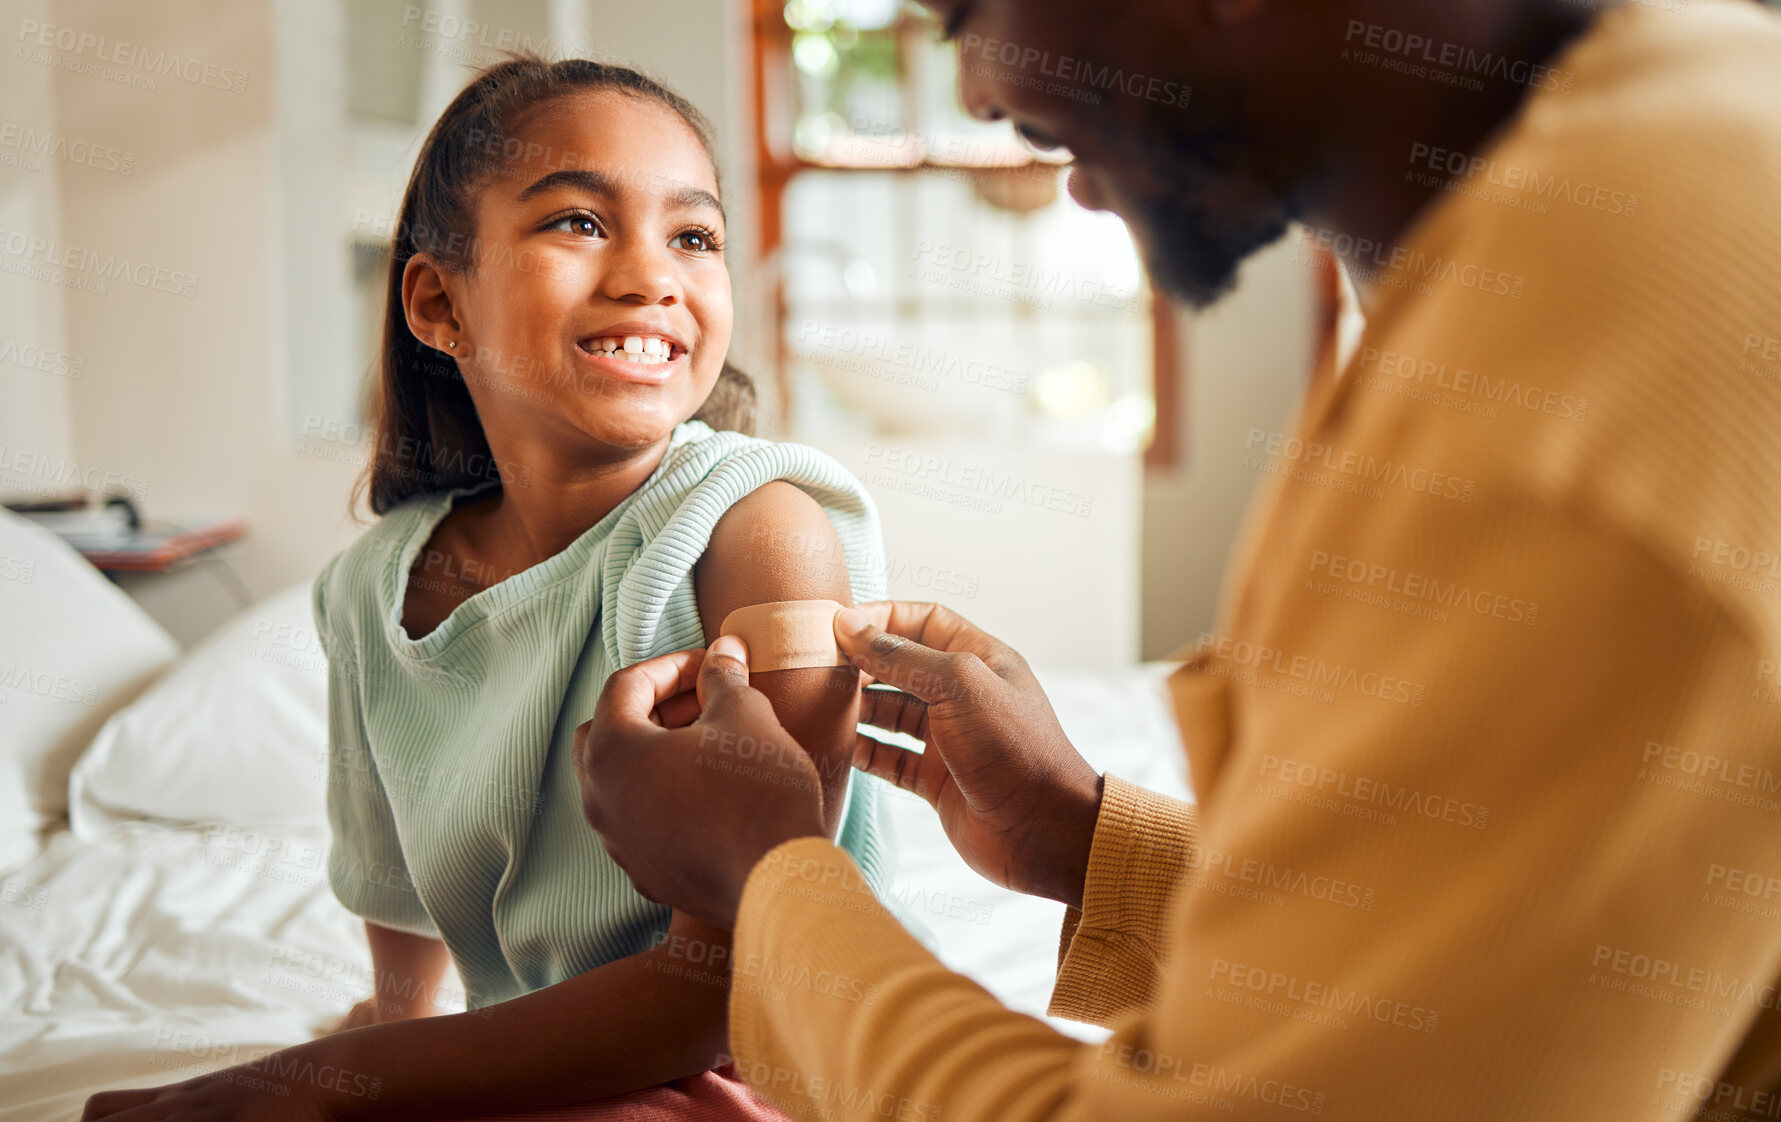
427	294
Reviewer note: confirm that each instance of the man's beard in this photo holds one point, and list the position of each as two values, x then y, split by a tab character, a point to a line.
1186	161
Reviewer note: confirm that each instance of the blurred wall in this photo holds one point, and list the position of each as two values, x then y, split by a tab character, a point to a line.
36	367
1247	361
185	392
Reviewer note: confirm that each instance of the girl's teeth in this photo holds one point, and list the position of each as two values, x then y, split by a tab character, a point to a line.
634	348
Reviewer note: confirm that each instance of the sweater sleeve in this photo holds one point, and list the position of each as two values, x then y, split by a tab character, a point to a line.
1110	949
366	868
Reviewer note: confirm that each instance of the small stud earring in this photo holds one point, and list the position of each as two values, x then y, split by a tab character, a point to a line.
453	344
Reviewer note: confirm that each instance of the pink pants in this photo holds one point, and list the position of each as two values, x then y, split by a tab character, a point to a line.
712	1096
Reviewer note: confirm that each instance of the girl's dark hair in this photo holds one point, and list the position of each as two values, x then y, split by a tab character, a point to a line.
428	436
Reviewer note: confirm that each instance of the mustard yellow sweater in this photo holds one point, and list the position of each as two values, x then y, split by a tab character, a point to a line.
1488	742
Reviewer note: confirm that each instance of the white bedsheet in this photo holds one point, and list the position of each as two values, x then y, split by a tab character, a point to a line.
158	952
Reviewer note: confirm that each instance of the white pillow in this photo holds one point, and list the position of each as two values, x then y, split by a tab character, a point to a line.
236	732
73	648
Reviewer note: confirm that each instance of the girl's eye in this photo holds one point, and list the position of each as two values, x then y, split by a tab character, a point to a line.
583	224
696	241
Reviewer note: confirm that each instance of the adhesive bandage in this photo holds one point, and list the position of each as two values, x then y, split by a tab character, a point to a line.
787	635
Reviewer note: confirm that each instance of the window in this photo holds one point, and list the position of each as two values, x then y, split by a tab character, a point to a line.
931	275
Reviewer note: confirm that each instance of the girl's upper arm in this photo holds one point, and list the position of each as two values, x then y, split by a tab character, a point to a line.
776	545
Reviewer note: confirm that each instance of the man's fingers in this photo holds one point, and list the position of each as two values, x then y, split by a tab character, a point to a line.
893	659
912	771
632	693
931	625
894	711
724	673
678	711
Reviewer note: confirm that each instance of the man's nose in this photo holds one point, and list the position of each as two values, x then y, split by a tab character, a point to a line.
979	91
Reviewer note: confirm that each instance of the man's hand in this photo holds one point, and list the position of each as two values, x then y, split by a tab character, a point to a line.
688	806
1016	799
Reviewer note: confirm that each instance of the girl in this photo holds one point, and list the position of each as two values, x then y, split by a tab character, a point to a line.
562	493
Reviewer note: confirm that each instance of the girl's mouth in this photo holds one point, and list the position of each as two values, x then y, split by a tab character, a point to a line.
634	358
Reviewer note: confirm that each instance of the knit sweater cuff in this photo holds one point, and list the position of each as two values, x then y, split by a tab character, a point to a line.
1110	949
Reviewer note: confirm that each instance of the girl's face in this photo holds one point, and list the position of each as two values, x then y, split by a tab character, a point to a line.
598	305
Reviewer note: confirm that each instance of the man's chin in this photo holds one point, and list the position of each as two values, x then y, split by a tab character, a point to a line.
1196	258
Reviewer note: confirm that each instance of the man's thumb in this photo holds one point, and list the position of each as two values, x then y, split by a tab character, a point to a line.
724	671
889	658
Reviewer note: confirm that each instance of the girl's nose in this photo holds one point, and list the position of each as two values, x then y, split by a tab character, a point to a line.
639	273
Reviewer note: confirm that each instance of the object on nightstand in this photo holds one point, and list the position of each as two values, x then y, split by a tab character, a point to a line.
113	538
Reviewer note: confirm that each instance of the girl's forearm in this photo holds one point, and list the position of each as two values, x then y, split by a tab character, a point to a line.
624	1026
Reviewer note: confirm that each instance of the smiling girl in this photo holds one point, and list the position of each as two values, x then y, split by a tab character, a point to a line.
562	494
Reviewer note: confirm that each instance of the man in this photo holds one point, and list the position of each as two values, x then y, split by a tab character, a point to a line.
1487	744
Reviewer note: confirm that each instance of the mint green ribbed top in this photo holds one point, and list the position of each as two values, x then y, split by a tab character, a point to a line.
451	787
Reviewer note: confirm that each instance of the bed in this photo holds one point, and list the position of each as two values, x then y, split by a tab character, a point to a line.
166	912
